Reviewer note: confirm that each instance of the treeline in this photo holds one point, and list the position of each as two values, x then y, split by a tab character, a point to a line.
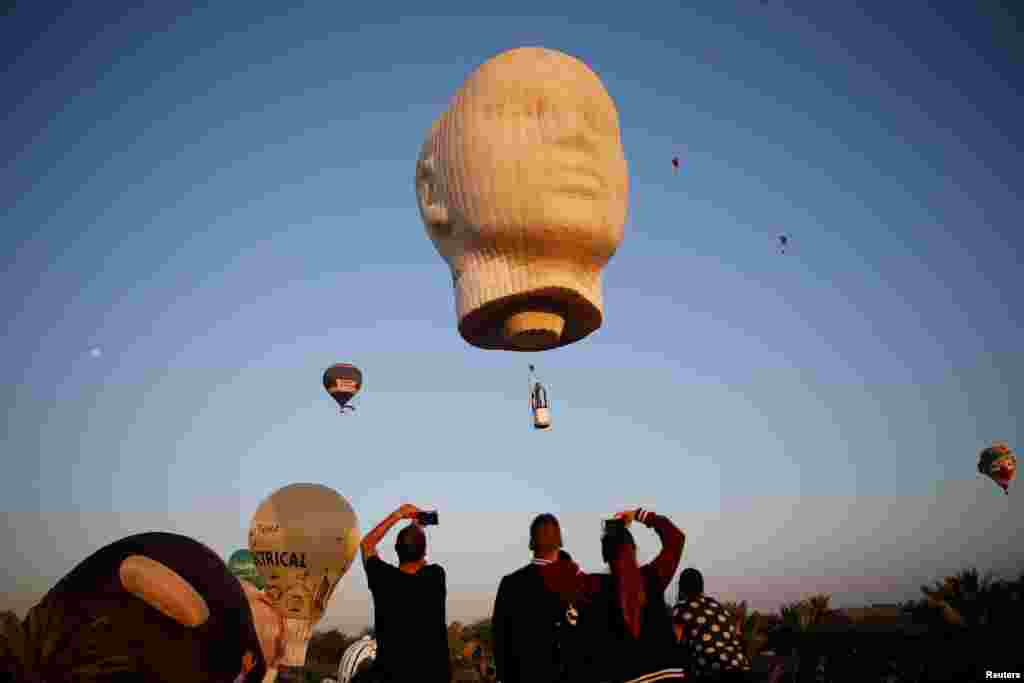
961	627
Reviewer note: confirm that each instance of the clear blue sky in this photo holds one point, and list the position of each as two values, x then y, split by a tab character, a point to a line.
222	200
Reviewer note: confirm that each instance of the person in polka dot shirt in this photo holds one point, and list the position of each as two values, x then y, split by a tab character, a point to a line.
709	632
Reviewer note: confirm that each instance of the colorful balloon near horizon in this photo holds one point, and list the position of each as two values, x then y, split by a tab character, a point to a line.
303	538
998	463
243	565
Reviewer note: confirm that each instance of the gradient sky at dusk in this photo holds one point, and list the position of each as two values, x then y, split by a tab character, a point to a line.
221	199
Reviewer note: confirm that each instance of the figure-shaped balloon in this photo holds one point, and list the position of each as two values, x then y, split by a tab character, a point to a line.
343	381
675	164
150	607
523	188
243	565
303	537
999	464
539	407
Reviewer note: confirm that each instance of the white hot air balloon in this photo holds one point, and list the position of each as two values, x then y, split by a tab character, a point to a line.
523	188
303	538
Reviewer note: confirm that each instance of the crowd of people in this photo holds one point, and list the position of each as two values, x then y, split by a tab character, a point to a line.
164	607
552	621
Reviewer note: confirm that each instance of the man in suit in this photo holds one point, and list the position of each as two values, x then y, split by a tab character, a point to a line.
531	624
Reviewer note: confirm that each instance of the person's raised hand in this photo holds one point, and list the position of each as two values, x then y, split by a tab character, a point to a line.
627	516
408	511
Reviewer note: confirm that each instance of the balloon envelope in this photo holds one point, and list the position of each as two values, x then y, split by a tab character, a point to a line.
998	463
523	187
243	565
303	538
103	619
343	381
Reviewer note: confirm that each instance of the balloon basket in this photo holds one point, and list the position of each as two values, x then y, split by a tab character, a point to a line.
297	635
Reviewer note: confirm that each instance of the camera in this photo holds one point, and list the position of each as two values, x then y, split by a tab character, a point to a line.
427	518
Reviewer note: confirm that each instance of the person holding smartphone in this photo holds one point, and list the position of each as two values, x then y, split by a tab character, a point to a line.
408	602
633	628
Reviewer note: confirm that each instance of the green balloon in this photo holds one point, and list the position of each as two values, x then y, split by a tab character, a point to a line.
243	565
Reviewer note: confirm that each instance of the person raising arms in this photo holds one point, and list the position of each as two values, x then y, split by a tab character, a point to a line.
639	643
409	604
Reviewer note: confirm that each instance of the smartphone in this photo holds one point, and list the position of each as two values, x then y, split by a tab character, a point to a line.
427	518
610	525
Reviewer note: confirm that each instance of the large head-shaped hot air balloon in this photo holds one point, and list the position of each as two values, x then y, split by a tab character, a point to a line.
523	188
999	464
303	538
343	381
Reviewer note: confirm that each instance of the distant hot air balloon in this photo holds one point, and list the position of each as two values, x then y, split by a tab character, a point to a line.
998	463
783	243
343	381
675	163
243	565
523	187
304	538
539	403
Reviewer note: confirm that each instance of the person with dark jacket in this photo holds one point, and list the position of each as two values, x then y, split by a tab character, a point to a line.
638	643
530	623
409	605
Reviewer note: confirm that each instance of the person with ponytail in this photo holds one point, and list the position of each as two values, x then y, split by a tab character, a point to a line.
636	628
